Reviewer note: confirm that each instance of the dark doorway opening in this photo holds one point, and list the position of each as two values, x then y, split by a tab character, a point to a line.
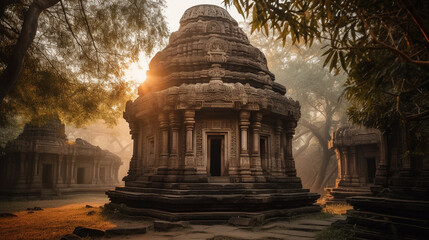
215	149
102	175
370	162
47	177
80	175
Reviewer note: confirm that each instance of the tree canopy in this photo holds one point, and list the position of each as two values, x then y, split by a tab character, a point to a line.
384	37
73	55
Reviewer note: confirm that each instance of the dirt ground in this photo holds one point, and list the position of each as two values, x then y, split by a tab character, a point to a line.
19	204
61	216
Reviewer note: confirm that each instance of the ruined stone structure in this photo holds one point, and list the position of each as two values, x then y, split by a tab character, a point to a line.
212	130
357	152
42	162
399	206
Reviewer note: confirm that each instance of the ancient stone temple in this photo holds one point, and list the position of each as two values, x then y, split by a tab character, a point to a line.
399	206
42	162
357	152
212	130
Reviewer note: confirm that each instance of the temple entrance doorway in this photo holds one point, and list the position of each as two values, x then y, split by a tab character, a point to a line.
370	163
102	175
215	155
47	177
80	175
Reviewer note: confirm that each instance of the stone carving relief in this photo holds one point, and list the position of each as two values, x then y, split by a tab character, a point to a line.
216	71
199	144
216	50
226	95
213	27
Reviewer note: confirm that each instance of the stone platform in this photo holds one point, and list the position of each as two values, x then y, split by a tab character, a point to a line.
213	202
338	195
387	218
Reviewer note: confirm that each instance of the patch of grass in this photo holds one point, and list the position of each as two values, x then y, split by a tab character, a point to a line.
333	233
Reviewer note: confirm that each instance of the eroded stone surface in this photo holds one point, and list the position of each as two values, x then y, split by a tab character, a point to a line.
296	229
212	131
357	152
41	161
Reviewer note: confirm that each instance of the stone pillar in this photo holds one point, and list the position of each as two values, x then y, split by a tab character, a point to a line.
94	171
174	144
354	166
276	162
37	181
244	152
68	170
381	172
97	171
405	158
290	162
109	174
189	155
132	172
73	168
140	164
346	160
59	175
22	159
163	125
256	165
340	166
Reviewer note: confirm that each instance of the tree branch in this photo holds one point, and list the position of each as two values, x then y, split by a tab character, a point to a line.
90	33
303	147
315	130
397	51
418	20
71	30
416	117
9	78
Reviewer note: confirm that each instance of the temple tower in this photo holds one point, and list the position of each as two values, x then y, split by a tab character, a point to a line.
212	130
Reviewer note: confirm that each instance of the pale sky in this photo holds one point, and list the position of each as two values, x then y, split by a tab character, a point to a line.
173	13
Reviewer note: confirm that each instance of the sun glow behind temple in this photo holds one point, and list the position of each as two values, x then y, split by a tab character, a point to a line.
136	72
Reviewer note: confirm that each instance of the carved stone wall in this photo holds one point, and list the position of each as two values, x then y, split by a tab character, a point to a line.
358	154
41	161
216	103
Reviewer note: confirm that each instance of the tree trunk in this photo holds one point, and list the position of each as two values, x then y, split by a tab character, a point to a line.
9	77
326	156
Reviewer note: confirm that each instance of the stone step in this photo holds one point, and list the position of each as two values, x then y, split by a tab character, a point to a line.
207	191
216	186
220	196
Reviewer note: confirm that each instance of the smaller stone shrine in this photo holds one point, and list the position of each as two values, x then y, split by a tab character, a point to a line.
357	152
399	205
41	161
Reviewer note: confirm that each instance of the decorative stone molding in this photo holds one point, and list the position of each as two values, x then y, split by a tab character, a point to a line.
215	95
220	99
216	50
